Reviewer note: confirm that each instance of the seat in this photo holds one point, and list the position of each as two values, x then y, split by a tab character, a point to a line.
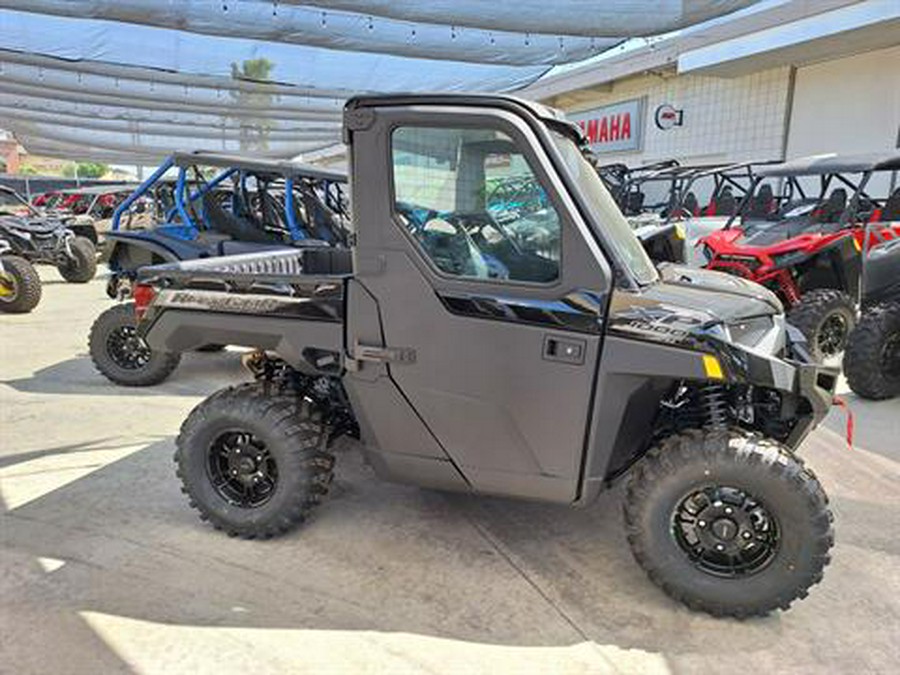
891	209
761	203
634	202
240	229
834	206
726	204
690	206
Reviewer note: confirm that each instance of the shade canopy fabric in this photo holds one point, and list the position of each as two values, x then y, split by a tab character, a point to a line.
131	80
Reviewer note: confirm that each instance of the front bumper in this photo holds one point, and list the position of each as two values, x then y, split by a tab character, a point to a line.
813	382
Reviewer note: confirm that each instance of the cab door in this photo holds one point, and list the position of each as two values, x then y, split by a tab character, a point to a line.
490	295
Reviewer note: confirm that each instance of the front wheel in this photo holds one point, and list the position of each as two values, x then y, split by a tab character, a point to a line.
254	462
121	355
20	285
728	523
82	266
872	358
825	316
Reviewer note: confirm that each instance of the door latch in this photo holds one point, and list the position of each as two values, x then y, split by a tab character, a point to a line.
566	350
375	354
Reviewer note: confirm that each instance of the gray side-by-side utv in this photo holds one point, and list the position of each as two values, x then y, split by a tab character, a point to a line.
537	354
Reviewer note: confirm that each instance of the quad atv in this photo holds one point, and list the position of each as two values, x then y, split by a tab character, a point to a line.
249	205
20	285
43	239
872	357
803	239
549	382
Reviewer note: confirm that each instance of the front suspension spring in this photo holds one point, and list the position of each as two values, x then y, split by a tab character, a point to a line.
714	401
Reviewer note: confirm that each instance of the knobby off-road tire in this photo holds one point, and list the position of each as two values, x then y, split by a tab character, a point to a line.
21	291
286	437
779	506
826	317
872	358
82	267
121	356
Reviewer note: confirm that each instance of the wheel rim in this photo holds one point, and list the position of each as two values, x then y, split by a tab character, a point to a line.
833	334
725	531
890	356
241	469
9	289
127	349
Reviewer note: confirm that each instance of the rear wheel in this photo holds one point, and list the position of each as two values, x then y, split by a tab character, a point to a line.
825	316
872	359
20	285
121	355
81	267
254	463
728	523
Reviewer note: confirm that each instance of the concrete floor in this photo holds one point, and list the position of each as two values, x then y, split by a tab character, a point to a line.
104	568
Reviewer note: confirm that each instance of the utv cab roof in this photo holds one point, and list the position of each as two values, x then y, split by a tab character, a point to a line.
259	164
832	163
553	116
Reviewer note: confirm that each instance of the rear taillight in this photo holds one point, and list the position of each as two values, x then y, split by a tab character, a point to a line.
142	295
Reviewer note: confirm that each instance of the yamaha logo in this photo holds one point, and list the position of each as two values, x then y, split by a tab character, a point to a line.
666	117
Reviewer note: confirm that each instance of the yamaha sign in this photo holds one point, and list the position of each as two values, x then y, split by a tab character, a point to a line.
613	128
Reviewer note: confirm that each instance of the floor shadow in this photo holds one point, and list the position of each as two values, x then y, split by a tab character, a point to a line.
198	374
397	559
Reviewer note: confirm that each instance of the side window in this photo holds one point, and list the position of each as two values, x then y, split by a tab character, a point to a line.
473	204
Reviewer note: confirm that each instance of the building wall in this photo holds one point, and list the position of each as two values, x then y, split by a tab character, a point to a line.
725	119
849	105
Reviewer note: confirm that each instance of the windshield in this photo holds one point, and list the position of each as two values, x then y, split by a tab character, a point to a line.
618	232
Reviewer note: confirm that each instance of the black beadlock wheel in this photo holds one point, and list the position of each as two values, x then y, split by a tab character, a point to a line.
872	358
82	266
826	317
20	285
254	464
121	355
728	523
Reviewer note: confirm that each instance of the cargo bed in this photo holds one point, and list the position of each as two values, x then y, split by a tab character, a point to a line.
291	302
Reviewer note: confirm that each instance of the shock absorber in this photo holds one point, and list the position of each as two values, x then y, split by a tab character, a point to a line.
788	287
714	402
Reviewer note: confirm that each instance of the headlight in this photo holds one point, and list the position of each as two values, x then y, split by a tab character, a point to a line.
788	259
749	332
764	334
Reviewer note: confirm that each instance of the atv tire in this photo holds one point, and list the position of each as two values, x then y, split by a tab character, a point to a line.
20	285
121	356
825	316
254	464
872	358
82	267
698	491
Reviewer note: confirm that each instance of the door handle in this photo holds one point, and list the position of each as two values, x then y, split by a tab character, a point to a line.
564	350
373	354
